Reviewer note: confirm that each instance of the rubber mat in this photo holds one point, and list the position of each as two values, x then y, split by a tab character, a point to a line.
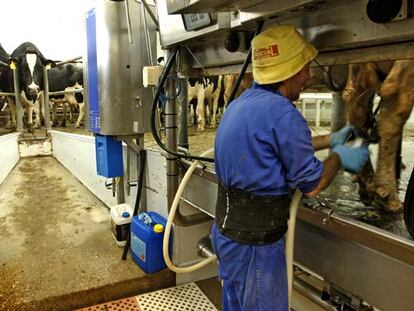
187	297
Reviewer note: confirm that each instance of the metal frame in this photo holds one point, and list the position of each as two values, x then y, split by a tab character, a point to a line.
19	108
47	94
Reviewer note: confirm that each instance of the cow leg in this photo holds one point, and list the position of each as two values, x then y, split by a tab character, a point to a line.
397	98
191	113
81	114
12	113
64	107
29	112
201	121
36	109
358	97
52	107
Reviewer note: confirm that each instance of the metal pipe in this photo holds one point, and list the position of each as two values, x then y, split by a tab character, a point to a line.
183	115
172	160
147	37
338	112
128	171
120	190
72	60
4	64
19	109
7	94
128	20
153	17
65	92
204	247
46	96
171	134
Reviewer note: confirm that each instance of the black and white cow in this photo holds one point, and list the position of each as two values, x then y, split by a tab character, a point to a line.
6	85
67	77
30	64
209	93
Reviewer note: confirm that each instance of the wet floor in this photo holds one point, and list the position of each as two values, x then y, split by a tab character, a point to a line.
57	250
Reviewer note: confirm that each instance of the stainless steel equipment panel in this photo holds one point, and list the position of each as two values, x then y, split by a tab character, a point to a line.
124	104
172	30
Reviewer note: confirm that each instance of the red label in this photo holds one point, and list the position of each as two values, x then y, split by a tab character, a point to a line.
270	51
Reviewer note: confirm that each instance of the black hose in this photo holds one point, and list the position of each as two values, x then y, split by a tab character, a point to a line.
245	64
142	160
160	85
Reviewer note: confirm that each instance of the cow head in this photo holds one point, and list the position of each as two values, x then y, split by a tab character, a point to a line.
30	64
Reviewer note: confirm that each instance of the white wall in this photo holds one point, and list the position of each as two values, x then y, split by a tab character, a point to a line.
9	154
77	154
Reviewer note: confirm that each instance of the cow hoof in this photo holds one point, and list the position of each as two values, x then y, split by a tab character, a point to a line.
382	192
30	128
354	179
391	206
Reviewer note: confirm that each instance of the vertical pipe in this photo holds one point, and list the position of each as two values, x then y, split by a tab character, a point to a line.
183	114
128	171
46	96
120	190
318	113
128	21
19	109
303	108
171	133
338	112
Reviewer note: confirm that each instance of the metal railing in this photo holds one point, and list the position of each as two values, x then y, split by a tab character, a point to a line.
19	108
47	93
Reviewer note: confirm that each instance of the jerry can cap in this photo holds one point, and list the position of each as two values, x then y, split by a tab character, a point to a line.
158	228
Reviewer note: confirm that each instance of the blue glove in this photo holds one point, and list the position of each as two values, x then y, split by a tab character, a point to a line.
341	136
352	159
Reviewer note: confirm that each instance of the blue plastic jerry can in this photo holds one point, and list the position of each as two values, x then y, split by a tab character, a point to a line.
147	234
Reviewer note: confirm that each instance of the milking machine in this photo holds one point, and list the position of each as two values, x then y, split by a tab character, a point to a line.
353	262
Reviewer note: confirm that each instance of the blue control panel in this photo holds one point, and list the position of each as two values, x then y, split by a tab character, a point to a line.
108	156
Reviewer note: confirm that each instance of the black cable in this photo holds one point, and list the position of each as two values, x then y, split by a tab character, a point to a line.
160	85
245	64
142	160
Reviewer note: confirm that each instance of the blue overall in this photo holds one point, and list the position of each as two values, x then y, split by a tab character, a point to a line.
263	145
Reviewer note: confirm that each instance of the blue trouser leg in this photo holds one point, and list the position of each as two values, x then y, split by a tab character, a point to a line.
254	277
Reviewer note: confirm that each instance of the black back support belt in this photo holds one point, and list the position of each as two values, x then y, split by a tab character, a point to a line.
251	219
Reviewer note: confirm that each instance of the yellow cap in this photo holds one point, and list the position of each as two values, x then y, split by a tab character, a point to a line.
279	53
159	228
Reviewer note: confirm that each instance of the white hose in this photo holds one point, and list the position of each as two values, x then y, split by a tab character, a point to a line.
290	235
290	239
170	219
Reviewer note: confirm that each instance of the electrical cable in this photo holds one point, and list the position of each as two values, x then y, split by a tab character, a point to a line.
245	64
161	82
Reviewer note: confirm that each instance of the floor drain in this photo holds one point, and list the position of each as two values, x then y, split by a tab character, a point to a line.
187	297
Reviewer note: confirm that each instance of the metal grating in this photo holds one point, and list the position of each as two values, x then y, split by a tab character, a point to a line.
187	297
126	304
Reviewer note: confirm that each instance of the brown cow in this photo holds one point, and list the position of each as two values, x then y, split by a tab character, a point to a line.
394	83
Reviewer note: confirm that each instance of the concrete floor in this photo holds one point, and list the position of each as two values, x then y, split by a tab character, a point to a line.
57	251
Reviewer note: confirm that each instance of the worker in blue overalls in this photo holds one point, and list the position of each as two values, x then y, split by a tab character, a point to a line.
263	150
